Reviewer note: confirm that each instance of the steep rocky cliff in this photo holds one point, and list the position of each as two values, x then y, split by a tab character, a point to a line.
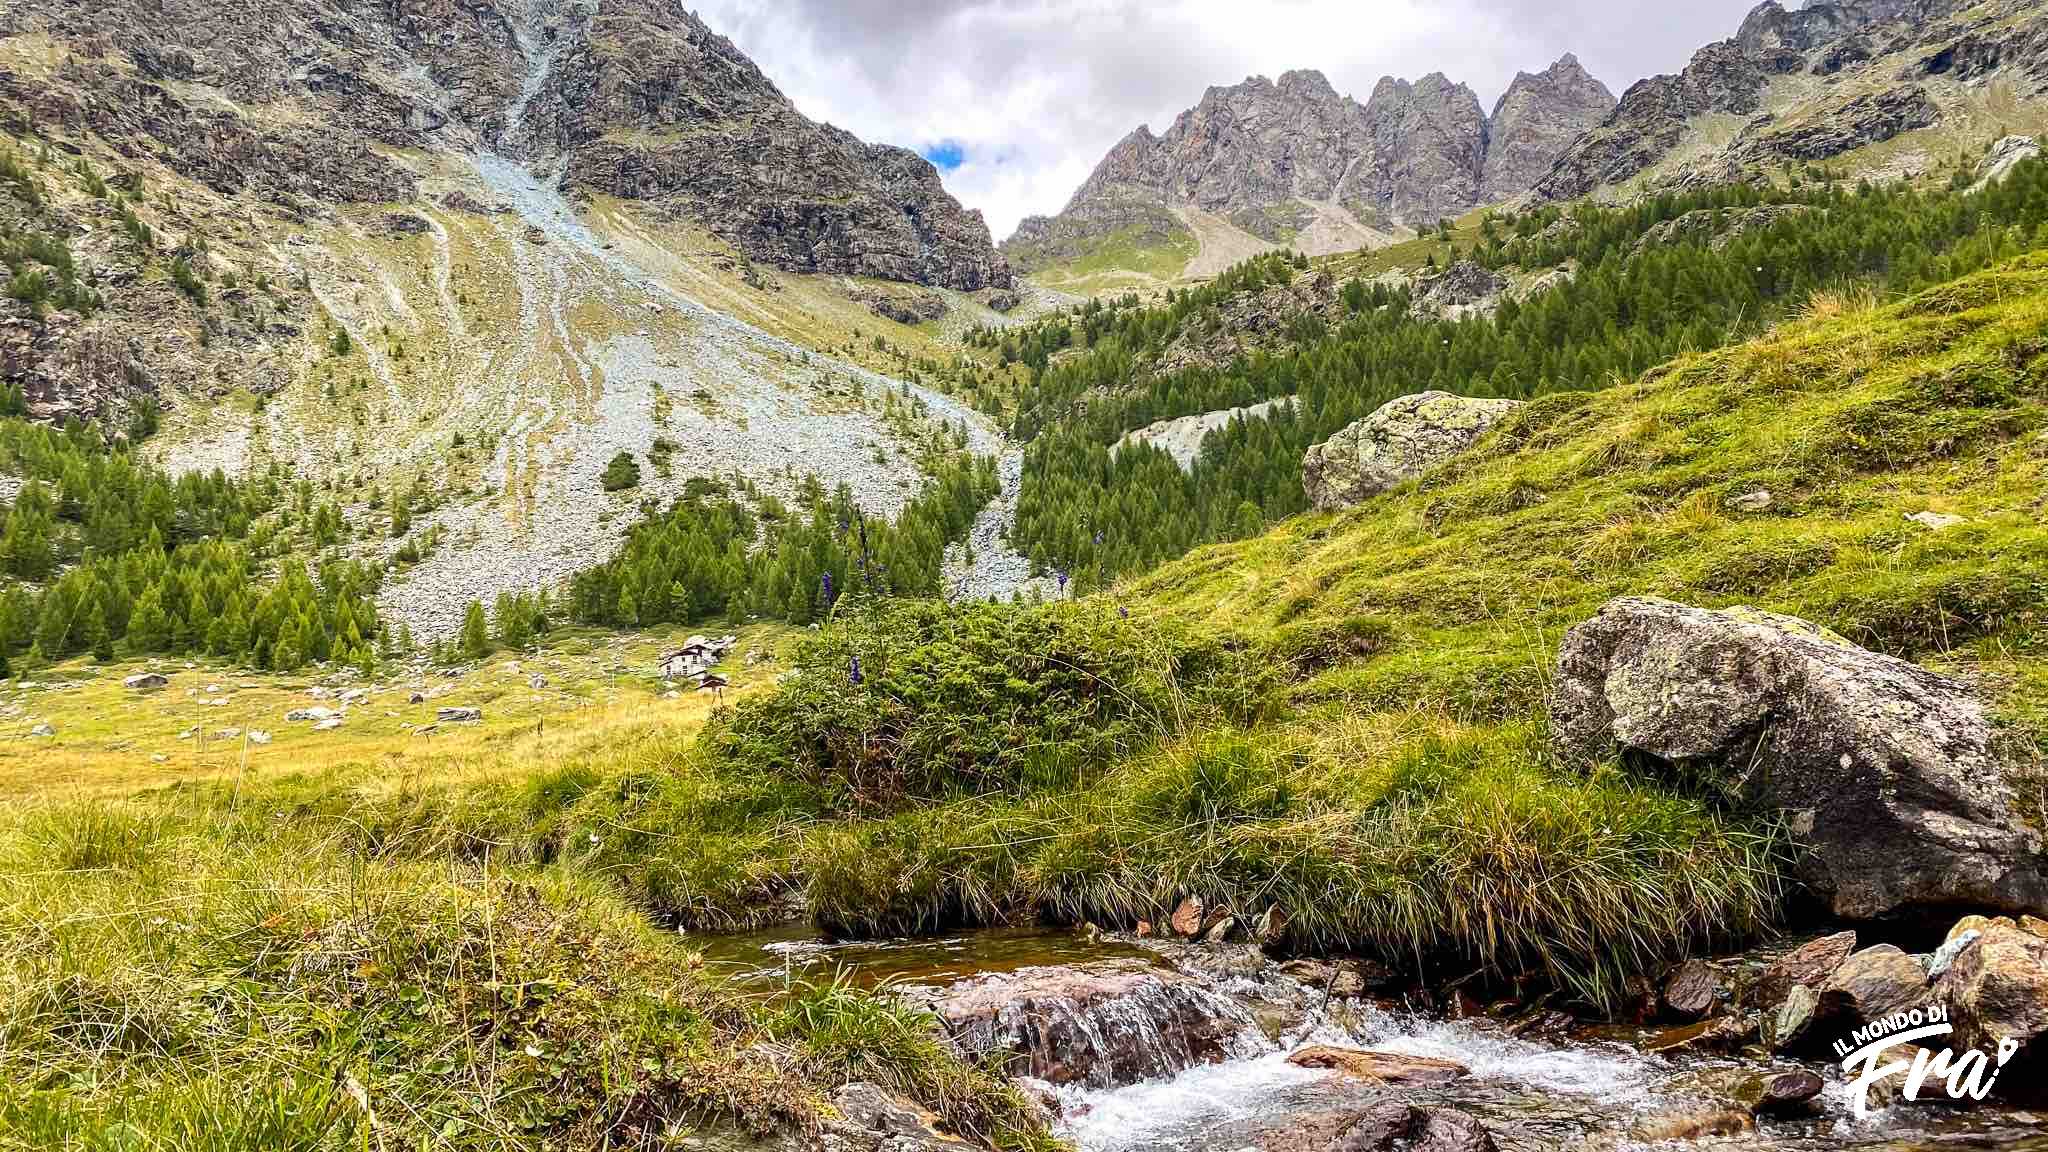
1295	162
1826	81
303	99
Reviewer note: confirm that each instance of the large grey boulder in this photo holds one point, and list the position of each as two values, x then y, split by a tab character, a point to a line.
1886	771
1403	440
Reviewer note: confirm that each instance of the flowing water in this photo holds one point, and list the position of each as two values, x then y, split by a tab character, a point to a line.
1595	1091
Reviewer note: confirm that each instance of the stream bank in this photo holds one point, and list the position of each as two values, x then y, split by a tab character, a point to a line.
1164	1044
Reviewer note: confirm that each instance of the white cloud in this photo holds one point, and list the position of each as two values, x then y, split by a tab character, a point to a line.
1035	91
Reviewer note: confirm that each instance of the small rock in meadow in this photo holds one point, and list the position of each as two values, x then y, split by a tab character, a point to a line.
42	730
146	682
1757	501
328	725
1187	919
1936	521
259	737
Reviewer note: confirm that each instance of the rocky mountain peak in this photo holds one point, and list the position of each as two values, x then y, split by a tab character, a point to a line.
1535	120
1295	161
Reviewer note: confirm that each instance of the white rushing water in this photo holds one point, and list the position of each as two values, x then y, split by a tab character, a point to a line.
1220	1106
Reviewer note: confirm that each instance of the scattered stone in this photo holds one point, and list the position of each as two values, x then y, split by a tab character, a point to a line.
870	1119
1271	929
1221	930
228	734
1693	990
316	714
146	682
1752	502
459	716
1786	1023
1946	954
258	736
1871	985
1886	771
42	730
1722	1033
1397	1126
1787	1093
1404	439
1996	990
417	698
1380	1067
328	725
1810	964
1936	521
1187	919
537	682
1694	1126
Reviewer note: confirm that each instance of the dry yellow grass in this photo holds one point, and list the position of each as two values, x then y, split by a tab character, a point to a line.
601	695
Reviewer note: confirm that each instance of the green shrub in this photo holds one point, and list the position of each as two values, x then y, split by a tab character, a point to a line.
622	473
925	701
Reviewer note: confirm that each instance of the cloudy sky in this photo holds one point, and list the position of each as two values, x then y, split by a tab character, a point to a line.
1018	99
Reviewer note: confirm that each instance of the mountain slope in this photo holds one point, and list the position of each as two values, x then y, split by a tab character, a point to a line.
1889	88
635	97
1295	163
474	252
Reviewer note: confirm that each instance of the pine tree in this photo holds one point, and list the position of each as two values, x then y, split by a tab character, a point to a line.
149	630
98	635
476	634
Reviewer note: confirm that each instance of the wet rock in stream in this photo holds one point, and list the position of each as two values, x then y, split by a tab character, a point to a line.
1102	1024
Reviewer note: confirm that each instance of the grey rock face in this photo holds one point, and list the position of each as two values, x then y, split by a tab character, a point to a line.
1403	440
1460	290
1262	152
637	98
1864	120
1876	56
1885	770
1537	118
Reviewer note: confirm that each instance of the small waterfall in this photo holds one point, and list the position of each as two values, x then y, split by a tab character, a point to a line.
1534	1095
1100	1025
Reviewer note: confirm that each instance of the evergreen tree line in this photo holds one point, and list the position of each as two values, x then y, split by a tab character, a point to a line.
105	554
1098	513
716	554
